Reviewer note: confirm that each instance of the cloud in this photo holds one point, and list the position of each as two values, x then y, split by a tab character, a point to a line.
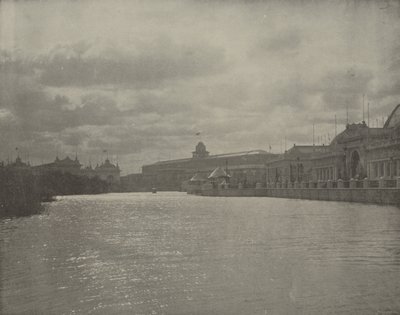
134	64
284	42
342	87
143	81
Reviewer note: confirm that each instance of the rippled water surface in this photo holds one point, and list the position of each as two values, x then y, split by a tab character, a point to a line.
172	253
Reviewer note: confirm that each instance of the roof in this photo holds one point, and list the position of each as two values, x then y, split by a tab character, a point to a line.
218	173
243	153
66	161
306	149
394	118
18	163
198	177
107	165
356	131
223	155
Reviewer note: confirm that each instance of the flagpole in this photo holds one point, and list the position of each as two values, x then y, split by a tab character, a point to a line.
363	108
285	143
313	135
335	127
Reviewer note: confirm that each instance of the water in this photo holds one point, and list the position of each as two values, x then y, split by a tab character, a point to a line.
172	253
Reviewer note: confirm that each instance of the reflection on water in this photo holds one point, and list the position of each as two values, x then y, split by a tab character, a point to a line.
171	253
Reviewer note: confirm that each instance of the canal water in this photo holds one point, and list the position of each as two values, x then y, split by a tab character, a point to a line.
172	253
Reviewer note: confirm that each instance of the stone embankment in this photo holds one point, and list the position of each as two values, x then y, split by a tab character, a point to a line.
382	191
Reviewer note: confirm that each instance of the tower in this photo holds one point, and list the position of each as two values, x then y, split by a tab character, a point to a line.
201	151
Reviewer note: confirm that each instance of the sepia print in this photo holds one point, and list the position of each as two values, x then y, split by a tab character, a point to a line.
199	157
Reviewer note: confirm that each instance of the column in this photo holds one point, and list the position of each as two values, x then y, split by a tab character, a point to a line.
381	182
392	164
398	167
385	172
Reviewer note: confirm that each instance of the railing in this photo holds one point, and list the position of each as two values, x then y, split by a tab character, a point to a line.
391	183
329	184
334	184
359	184
373	183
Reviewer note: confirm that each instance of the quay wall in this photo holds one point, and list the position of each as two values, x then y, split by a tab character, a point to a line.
362	195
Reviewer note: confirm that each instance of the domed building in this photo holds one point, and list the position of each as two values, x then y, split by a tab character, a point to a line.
358	152
201	151
248	166
362	152
66	165
108	172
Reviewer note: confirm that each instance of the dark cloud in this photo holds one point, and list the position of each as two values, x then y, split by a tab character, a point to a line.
339	88
146	78
35	110
142	64
284	43
149	102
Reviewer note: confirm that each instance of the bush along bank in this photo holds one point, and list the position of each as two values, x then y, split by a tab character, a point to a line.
21	192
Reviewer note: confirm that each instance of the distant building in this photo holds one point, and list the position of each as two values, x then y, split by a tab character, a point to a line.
134	182
106	171
66	165
362	152
248	166
294	165
200	152
357	152
19	164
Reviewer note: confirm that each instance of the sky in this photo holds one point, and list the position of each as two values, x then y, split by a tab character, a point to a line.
139	79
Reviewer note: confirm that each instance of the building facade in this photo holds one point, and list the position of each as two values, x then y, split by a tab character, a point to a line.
358	152
106	171
247	167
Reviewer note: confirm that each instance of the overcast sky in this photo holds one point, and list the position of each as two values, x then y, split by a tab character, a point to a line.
141	78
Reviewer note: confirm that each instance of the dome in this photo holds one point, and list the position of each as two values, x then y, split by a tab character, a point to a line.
394	118
200	151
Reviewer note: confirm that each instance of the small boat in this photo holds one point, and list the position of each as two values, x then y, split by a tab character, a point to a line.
154	190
